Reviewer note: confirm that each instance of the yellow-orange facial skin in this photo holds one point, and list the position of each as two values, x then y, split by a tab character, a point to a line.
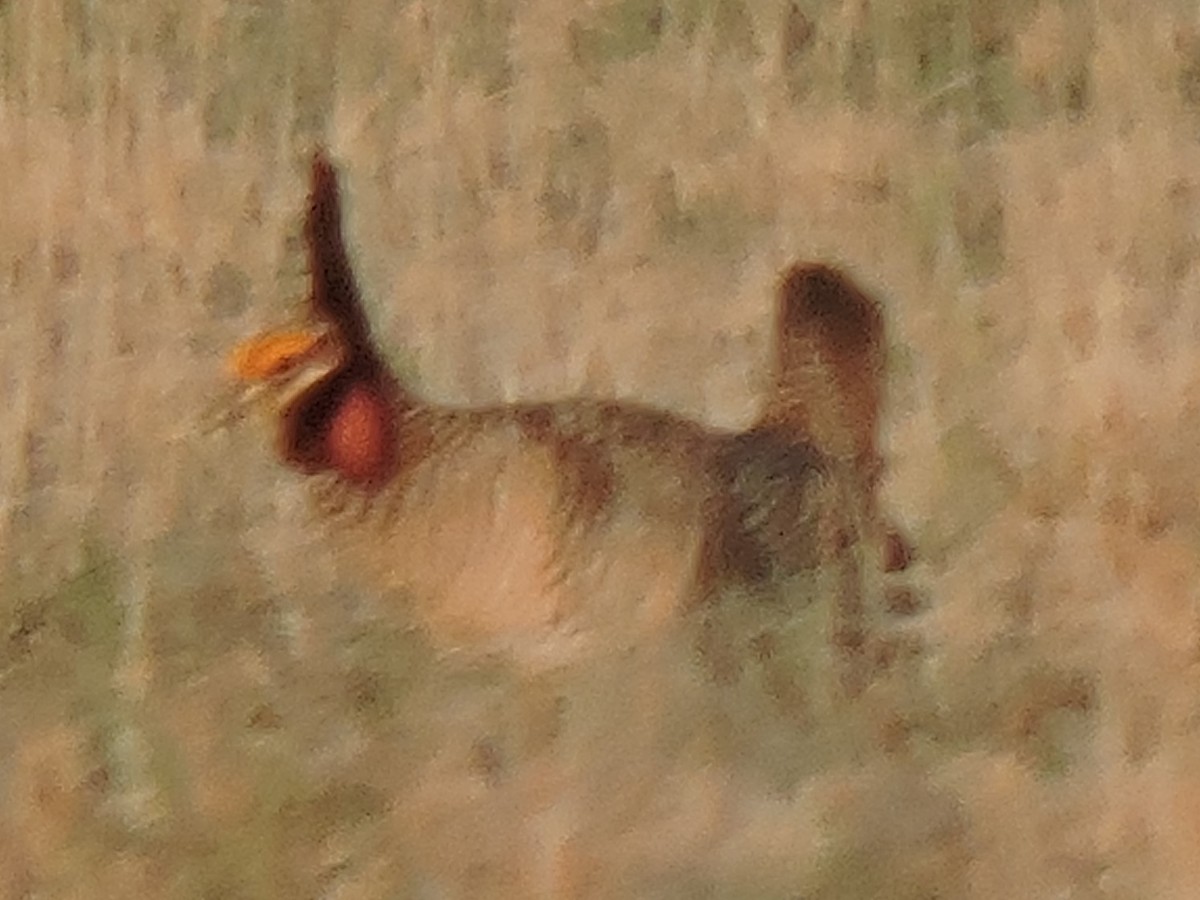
271	354
276	367
271	370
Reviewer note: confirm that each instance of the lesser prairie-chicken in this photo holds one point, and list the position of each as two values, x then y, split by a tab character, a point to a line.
535	527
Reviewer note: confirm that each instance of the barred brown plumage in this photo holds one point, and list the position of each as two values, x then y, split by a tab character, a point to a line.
829	381
711	509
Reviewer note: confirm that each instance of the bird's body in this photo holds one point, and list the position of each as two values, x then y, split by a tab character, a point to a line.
497	541
502	527
530	528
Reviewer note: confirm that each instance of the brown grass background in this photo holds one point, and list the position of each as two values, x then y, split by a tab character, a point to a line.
548	198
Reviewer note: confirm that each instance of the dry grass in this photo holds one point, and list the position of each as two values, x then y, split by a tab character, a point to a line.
544	199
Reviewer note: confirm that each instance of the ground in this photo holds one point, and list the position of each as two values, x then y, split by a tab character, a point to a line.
546	199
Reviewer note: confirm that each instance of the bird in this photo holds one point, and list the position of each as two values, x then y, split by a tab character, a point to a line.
529	528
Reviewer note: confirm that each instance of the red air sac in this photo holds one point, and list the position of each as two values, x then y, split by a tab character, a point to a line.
361	434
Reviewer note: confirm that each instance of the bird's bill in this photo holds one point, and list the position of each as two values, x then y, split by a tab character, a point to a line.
274	367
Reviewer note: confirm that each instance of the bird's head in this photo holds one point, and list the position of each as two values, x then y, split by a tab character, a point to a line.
334	412
276	368
273	370
335	400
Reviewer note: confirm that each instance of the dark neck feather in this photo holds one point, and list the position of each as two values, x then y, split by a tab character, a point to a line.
334	293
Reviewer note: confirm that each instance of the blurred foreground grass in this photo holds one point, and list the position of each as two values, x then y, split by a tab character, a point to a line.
545	199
